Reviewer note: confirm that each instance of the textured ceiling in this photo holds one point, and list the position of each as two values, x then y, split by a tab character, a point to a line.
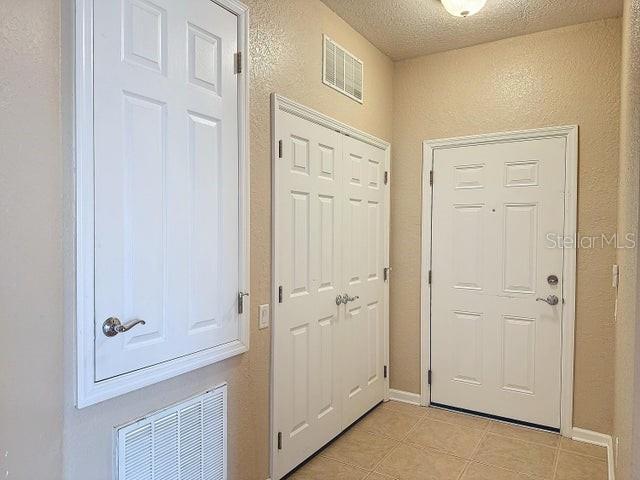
410	28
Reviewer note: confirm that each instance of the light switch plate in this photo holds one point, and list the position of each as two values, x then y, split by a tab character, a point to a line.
263	316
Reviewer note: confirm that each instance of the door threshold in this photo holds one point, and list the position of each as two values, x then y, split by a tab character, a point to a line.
496	417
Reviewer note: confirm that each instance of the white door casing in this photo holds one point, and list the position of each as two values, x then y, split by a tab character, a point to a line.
330	238
493	347
162	232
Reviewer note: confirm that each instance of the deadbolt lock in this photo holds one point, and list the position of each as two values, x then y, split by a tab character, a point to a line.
552	280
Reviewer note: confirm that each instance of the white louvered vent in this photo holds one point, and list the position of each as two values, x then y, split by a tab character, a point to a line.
342	70
187	441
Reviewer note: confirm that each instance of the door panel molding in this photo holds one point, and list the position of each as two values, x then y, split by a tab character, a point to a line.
352	175
519	175
80	215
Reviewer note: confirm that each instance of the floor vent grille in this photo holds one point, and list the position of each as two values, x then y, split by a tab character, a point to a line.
187	441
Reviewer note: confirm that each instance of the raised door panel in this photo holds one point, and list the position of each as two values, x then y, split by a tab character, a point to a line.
300	358
204	224
144	34
467	347
467	255
517	362
300	238
520	255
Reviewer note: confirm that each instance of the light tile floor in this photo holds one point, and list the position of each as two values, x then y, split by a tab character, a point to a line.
406	442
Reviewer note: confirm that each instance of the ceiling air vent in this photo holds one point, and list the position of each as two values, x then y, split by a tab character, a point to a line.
183	442
342	71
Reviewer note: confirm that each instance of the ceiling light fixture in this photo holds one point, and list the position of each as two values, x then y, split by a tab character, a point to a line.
463	8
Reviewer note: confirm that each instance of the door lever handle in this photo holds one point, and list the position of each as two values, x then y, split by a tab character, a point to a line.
346	298
551	300
113	326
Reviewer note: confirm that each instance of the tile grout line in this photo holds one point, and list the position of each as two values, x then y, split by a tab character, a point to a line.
372	471
487	432
464	470
387	455
342	462
593	457
399	443
555	463
475	451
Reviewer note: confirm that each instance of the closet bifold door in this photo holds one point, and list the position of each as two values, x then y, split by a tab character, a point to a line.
306	349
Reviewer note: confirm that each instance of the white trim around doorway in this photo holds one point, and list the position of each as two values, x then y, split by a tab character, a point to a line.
570	133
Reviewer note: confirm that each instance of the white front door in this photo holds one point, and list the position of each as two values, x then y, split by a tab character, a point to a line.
166	222
330	241
495	345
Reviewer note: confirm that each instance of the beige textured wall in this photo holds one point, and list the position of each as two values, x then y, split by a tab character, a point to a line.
37	412
36	397
286	53
627	368
564	76
30	247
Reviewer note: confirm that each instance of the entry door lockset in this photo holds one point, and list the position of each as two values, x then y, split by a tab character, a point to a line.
552	280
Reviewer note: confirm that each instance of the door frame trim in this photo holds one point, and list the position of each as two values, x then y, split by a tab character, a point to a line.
279	104
570	133
79	219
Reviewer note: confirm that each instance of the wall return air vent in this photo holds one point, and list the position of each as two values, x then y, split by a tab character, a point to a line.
187	441
342	71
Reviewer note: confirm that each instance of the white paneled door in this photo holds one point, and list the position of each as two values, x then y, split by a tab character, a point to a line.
363	260
330	253
496	329
166	222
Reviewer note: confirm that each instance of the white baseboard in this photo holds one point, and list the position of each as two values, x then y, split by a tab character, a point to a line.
601	439
404	397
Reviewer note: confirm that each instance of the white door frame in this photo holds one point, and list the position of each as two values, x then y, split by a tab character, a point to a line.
570	133
283	104
80	219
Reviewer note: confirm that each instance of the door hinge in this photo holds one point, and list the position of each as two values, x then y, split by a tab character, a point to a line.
279	440
386	178
241	296
238	62
430	177
385	371
386	272
429	377
280	294
279	148
430	277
